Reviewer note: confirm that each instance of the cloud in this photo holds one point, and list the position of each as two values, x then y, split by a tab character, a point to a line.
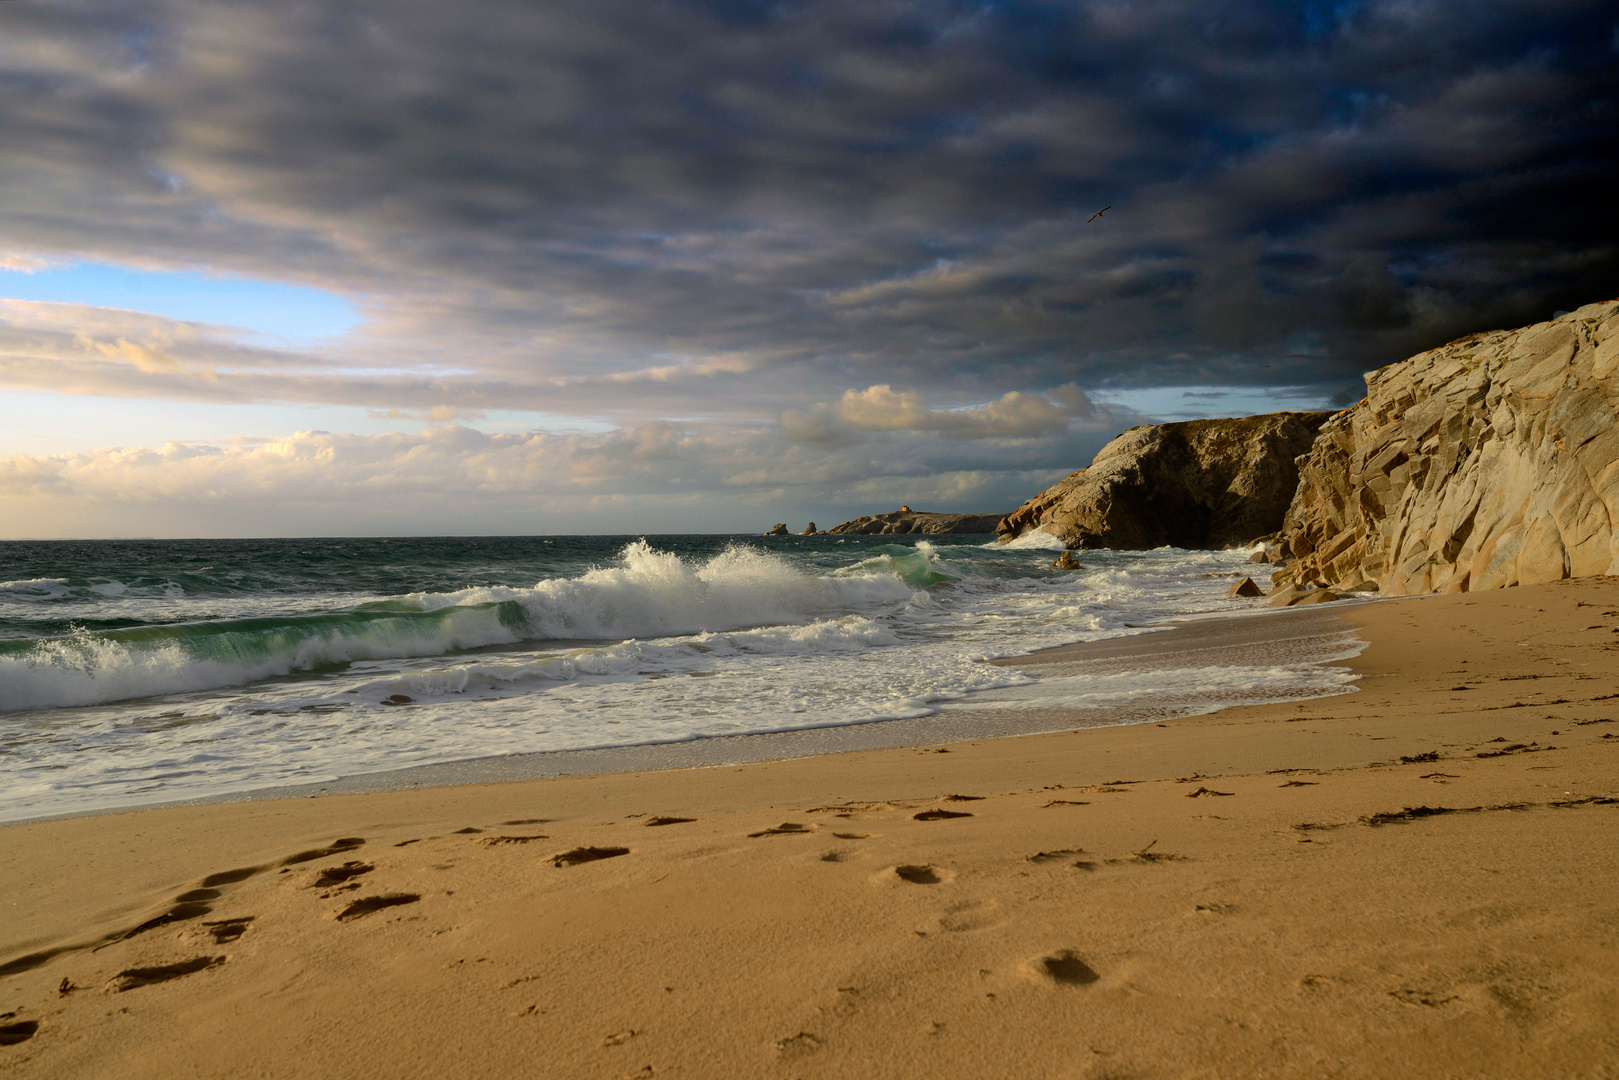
700	476
828	188
880	408
715	215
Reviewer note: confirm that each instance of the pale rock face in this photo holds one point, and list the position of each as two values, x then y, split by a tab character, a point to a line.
1197	484
1488	462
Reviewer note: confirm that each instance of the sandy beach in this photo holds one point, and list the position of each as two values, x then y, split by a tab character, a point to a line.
1413	880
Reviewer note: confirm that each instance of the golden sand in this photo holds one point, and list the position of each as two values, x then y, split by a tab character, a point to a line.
1420	879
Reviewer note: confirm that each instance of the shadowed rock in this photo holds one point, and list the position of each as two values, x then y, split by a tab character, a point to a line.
1198	484
1245	587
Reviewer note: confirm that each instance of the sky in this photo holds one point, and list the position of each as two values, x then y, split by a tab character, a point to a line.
643	266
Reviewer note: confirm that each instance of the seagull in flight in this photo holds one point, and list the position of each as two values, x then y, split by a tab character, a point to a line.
1098	214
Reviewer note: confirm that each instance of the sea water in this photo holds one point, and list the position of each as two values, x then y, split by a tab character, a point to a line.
145	671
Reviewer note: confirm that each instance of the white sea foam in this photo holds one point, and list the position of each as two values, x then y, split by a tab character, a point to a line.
649	648
656	593
1033	540
32	588
90	669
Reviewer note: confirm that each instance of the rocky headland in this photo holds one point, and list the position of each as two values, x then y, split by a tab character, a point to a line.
917	521
1490	461
1196	484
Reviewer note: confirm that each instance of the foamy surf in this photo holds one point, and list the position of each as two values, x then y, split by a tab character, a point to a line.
650	594
224	666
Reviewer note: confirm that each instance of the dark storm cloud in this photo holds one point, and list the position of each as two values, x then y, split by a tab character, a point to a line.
735	208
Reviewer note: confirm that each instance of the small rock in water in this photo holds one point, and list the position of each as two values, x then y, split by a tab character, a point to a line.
1246	587
1066	561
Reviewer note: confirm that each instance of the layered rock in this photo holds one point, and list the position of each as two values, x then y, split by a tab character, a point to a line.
1197	484
1490	461
916	521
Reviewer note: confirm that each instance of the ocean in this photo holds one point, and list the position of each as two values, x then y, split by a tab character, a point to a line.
141	671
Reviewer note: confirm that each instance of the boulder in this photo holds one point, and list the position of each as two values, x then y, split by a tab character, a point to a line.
1487	462
1066	561
778	529
1292	596
906	520
1196	484
1245	587
809	530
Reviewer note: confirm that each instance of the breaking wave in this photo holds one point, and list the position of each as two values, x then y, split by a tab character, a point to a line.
647	594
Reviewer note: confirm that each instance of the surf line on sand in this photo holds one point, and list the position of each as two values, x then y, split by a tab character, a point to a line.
1271	640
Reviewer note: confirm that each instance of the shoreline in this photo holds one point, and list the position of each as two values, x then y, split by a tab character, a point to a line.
1243	892
1233	635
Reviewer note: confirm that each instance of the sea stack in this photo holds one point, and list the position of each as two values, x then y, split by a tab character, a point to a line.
1487	462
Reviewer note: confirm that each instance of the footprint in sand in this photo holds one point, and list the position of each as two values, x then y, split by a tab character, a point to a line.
21	1031
1063	802
587	854
193	896
1065	968
1053	856
336	847
528	821
190	904
497	841
1148	855
939	815
798	1045
337	875
912	874
226	931
785	828
231	877
177	913
656	821
368	904
133	978
970	915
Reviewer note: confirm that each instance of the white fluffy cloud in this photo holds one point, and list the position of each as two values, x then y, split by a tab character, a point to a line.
661	476
880	408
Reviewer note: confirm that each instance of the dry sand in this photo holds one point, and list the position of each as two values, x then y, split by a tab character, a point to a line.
1416	880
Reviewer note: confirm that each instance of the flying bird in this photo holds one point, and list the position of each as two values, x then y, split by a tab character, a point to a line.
1098	214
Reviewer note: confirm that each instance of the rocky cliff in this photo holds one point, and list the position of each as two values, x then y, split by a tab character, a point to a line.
1491	461
1197	484
915	521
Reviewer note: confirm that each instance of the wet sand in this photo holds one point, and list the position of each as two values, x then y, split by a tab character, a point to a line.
1413	880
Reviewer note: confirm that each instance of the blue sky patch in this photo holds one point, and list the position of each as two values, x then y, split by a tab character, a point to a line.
293	312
